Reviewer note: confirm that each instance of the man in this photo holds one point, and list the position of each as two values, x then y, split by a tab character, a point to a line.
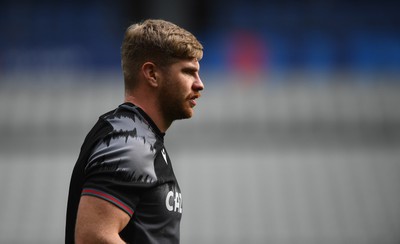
123	188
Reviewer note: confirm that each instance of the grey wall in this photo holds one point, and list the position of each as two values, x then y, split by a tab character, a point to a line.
258	163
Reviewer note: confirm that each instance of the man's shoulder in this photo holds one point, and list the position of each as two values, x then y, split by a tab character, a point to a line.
128	149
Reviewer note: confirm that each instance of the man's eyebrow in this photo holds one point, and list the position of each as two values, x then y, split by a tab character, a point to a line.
190	69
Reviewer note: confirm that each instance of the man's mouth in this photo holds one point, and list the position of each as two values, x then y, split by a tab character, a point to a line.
192	100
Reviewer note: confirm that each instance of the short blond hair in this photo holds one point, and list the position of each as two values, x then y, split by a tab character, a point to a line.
157	41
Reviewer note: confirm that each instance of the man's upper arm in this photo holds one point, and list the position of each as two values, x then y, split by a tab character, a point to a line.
99	221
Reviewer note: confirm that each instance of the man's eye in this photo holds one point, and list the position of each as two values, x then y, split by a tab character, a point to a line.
189	72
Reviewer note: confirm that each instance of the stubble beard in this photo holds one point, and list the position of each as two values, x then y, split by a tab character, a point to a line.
174	105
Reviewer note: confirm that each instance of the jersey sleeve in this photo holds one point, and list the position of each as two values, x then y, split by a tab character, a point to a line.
120	168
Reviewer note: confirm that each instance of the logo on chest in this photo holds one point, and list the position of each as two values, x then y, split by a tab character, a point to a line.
173	201
164	154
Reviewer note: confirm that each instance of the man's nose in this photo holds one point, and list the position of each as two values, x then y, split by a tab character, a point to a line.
198	84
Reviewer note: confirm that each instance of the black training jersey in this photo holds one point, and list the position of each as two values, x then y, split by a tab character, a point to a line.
123	160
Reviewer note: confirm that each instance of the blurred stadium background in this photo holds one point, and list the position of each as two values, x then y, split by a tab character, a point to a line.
295	140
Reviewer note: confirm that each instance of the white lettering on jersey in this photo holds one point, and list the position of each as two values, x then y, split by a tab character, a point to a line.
169	195
176	204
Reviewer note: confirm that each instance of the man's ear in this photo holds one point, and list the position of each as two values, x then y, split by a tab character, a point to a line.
149	71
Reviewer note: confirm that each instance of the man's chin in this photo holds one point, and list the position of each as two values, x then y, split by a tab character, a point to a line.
190	113
187	114
180	114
